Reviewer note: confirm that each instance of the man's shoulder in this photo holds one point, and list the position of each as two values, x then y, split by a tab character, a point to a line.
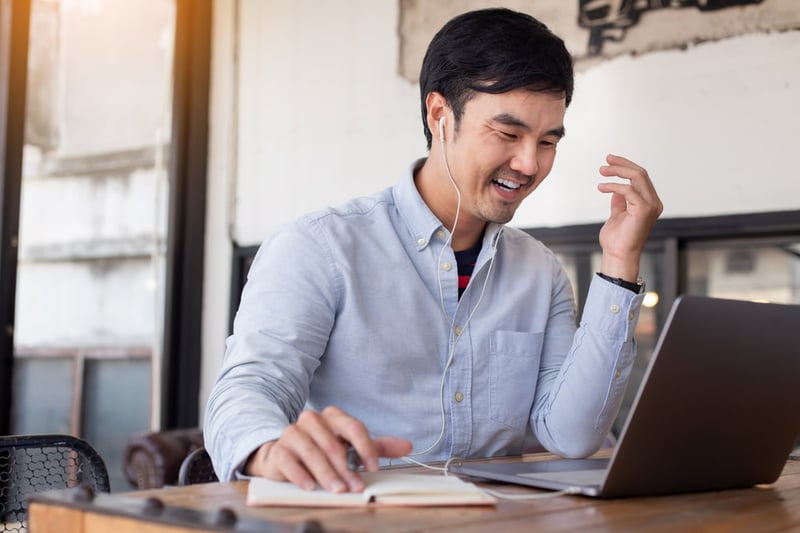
354	208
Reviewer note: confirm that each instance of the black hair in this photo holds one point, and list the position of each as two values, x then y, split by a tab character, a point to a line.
493	51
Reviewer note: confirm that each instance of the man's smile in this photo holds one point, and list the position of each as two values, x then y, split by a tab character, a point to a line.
510	185
506	184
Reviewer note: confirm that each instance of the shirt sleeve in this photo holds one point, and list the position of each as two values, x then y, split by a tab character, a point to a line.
579	395
279	334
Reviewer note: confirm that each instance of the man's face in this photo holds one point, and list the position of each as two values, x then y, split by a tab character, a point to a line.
504	148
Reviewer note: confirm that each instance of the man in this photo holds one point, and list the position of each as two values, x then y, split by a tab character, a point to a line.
414	320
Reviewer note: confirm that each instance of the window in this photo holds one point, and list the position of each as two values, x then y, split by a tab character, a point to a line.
93	221
754	269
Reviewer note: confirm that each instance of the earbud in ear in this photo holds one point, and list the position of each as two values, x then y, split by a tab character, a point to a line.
441	130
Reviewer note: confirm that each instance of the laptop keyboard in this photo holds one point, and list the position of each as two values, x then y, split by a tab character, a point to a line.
571	477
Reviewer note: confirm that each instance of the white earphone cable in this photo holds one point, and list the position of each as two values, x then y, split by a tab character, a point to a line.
454	340
455	223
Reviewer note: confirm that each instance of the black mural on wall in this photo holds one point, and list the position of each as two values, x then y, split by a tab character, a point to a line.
608	20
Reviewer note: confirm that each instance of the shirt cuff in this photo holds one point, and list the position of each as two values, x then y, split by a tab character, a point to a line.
611	309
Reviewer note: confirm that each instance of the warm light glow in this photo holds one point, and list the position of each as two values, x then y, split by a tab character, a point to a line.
92	6
650	299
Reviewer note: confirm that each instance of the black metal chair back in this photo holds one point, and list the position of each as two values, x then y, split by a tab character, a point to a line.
36	463
197	468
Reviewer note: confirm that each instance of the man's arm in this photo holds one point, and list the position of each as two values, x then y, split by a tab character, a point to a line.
578	396
255	420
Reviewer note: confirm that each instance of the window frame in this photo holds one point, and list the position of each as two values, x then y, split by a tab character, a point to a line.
14	32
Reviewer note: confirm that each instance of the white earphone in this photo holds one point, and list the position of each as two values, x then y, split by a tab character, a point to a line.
441	130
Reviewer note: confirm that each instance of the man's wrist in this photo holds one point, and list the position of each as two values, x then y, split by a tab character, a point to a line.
257	459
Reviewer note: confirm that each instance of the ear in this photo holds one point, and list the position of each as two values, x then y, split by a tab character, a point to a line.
437	107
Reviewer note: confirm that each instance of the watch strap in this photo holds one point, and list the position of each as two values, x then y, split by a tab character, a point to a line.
635	286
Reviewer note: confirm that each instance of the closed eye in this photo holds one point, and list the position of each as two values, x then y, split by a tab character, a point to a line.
550	141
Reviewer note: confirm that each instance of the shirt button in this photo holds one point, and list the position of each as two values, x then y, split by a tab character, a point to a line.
459	397
630	315
440	234
421	242
618	373
614	309
458	331
446	266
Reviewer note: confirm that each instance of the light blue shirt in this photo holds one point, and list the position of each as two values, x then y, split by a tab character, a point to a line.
357	307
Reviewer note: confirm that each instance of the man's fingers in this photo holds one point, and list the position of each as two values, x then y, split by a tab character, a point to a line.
314	451
637	176
298	457
284	465
353	432
326	455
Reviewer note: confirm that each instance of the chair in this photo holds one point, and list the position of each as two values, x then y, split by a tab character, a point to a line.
197	468
35	463
153	459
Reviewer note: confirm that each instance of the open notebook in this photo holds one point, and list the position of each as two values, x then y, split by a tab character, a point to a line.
387	488
718	408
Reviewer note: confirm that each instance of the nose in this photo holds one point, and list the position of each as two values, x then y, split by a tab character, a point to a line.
526	161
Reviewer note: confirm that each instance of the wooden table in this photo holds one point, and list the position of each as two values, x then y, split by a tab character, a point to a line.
221	507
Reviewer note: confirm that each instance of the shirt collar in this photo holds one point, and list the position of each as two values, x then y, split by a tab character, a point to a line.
418	217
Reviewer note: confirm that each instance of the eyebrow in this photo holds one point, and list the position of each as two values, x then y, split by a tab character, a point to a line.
511	120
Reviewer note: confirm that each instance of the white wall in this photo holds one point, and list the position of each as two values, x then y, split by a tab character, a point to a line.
717	126
320	115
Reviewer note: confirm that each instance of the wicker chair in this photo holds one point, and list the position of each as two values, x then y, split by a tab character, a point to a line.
35	463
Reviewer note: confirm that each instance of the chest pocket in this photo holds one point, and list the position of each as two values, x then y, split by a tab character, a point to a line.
514	369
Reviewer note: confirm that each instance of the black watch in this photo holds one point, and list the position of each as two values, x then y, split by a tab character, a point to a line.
637	286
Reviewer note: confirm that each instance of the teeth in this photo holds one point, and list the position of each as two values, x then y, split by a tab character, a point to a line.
507	184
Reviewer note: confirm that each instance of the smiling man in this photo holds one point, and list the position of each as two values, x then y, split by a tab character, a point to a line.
414	322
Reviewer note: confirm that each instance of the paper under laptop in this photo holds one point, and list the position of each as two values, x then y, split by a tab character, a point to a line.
717	409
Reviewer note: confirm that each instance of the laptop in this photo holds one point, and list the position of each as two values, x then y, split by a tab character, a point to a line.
718	408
